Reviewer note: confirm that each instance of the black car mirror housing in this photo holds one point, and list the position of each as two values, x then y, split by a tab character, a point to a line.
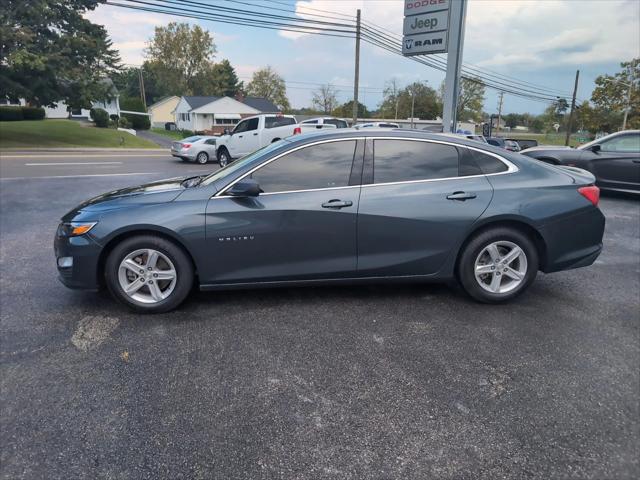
245	188
596	148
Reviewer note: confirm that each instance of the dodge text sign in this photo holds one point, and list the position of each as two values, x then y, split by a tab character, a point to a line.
424	43
425	23
414	7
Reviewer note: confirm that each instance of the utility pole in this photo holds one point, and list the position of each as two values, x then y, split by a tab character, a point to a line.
356	79
573	107
626	110
499	113
142	93
413	102
457	15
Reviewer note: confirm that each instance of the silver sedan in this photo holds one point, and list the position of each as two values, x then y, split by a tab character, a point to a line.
200	148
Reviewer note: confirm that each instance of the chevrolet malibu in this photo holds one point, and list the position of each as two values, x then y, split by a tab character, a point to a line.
338	207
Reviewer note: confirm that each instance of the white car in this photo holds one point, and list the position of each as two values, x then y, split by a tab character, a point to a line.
376	125
253	133
200	148
324	122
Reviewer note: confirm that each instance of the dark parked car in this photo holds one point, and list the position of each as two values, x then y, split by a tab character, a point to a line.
614	160
504	143
524	142
338	207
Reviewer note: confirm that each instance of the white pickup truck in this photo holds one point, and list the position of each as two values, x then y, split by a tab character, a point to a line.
252	133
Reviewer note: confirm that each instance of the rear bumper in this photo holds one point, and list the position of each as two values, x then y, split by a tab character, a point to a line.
179	154
573	242
83	274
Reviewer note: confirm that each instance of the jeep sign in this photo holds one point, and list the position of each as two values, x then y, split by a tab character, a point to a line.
416	7
425	23
424	43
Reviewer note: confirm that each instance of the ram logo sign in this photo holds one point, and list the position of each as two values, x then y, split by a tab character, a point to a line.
425	43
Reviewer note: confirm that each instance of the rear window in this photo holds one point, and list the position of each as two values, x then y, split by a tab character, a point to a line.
191	139
273	122
336	122
406	160
387	125
487	163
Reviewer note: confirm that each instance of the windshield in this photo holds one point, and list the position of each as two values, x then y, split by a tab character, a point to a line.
238	164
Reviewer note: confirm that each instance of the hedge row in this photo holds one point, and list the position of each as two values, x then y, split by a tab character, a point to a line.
13	114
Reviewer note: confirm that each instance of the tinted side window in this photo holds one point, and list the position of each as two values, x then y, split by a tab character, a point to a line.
241	127
310	121
623	143
319	166
405	160
272	122
252	124
487	163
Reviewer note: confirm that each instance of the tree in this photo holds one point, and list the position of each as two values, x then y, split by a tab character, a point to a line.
224	80
127	82
470	99
134	104
346	110
390	99
325	98
426	102
49	53
181	54
612	91
268	84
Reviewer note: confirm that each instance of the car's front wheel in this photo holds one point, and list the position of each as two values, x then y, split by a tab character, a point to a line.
498	264
149	274
223	157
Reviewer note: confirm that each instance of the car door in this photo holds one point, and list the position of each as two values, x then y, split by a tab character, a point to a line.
415	207
209	146
244	139
303	225
617	163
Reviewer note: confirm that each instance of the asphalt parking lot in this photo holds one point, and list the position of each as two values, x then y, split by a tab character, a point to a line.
376	382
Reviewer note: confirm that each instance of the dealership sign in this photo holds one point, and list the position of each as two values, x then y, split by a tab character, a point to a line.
426	26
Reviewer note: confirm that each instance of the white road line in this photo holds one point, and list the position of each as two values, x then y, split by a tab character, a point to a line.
80	176
71	163
75	155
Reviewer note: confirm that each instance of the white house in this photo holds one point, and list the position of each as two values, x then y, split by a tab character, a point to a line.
161	112
214	114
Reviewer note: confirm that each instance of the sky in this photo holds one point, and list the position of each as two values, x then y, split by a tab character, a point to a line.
541	42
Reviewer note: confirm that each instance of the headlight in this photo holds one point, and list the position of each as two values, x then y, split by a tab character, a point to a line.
74	229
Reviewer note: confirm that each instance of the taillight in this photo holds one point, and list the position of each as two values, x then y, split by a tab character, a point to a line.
297	130
591	193
186	145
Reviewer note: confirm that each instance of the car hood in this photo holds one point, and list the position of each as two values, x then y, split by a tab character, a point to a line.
161	191
547	148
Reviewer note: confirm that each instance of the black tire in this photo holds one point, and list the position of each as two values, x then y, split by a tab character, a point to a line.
202	158
467	263
181	262
224	158
184	159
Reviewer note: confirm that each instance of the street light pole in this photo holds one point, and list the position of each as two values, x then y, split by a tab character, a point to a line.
626	110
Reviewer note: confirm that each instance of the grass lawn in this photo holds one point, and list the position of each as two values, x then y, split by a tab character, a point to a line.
172	134
545	138
65	133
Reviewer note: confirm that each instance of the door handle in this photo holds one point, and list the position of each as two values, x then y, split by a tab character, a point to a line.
239	136
336	203
255	134
461	196
635	161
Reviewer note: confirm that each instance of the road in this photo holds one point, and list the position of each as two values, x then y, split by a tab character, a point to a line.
339	383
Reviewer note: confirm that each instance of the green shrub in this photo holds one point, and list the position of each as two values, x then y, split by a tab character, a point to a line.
33	113
187	133
11	114
124	123
100	117
134	104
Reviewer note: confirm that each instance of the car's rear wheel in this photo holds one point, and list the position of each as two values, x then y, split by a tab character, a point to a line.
149	274
184	159
223	157
498	264
202	158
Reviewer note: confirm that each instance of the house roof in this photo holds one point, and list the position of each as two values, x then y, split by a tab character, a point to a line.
162	100
259	103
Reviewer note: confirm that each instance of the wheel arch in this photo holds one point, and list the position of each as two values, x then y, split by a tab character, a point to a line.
516	223
122	235
275	140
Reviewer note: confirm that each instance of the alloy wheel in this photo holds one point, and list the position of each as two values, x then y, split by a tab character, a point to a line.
500	267
202	158
224	160
147	276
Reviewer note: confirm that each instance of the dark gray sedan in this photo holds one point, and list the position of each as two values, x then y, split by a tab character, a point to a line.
338	207
614	160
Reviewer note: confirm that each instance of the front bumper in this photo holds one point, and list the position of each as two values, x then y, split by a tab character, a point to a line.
85	252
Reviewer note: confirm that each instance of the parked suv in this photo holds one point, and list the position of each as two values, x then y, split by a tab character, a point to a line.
510	145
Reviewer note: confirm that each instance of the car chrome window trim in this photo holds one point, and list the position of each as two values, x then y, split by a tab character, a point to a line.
511	168
280	155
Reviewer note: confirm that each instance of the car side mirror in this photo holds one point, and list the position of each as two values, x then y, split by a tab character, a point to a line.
226	131
596	148
245	188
